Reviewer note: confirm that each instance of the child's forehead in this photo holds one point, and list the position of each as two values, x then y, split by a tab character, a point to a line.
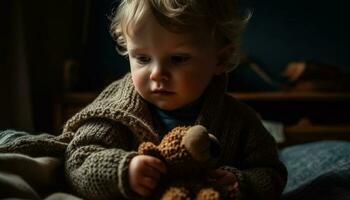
181	36
181	40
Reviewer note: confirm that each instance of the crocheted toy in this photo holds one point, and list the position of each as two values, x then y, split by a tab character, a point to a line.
188	152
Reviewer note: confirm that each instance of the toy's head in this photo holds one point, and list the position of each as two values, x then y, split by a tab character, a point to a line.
185	150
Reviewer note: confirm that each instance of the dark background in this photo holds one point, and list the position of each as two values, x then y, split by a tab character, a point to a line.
52	47
283	31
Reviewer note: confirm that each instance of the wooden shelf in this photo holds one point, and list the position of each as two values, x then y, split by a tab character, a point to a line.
292	96
305	131
67	105
306	116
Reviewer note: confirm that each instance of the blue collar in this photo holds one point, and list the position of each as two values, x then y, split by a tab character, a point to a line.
167	120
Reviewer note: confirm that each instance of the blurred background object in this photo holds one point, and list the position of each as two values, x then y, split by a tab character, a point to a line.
312	76
36	39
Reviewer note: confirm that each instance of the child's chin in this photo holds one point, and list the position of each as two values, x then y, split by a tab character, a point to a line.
167	106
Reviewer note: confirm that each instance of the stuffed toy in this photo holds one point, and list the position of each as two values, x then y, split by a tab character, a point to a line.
188	152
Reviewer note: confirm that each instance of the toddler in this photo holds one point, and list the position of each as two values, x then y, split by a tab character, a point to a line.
179	52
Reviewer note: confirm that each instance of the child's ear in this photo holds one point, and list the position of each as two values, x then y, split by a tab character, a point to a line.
223	56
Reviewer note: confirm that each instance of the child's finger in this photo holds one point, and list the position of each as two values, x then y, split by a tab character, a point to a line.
151	172
224	181
143	191
228	179
149	183
157	164
217	173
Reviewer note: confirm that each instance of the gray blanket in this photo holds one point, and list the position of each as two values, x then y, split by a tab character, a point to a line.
319	170
28	177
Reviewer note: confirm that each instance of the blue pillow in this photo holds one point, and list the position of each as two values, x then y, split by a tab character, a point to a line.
319	169
7	136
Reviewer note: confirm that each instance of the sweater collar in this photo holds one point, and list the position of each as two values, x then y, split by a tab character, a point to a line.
213	100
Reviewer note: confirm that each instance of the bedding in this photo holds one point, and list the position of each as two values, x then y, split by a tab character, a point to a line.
9	135
28	174
315	170
26	177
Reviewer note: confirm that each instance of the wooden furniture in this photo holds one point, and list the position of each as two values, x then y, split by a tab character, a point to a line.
305	116
67	105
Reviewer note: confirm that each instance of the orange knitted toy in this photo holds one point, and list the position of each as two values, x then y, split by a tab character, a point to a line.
188	152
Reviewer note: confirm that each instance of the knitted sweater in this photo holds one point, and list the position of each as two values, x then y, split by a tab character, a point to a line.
107	132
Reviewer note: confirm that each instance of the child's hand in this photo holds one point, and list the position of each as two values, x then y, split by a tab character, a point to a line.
144	174
224	178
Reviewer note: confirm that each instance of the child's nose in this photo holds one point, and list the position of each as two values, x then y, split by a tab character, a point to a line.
159	73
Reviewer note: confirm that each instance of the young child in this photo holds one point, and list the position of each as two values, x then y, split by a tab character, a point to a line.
179	53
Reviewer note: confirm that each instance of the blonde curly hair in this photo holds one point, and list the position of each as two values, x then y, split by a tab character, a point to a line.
183	15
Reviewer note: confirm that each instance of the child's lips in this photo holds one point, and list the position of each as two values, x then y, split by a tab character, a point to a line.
162	92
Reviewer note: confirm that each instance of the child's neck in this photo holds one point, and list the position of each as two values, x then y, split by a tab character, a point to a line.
188	109
185	116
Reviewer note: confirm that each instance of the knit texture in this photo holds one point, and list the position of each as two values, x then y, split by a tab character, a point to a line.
37	145
107	132
187	168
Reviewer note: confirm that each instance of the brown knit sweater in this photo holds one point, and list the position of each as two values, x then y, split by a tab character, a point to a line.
106	135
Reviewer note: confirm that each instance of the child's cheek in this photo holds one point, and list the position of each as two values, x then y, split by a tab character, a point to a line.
139	81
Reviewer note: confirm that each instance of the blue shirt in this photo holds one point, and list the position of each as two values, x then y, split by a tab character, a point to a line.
165	120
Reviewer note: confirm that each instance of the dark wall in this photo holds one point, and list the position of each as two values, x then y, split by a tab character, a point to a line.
284	31
101	63
35	37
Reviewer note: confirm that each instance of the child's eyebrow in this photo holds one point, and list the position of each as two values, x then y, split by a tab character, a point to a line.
190	44
184	49
136	50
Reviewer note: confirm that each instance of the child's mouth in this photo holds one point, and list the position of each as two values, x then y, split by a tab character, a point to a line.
162	92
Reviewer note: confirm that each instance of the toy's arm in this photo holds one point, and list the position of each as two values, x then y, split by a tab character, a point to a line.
148	148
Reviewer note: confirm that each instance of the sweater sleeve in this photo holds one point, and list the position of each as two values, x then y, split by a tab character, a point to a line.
97	161
261	174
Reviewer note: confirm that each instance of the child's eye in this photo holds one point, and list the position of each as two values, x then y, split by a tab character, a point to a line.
143	59
179	59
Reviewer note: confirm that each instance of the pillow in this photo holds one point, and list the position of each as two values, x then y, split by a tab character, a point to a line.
7	136
318	169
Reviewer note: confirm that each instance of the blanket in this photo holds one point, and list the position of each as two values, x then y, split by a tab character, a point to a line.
317	170
29	174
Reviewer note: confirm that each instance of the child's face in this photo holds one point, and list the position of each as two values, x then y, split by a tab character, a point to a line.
170	70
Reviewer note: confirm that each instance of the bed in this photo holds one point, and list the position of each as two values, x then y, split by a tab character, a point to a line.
315	170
